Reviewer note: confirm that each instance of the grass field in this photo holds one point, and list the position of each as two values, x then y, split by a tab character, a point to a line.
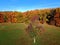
15	34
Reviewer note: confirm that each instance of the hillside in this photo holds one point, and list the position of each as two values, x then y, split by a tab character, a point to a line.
50	16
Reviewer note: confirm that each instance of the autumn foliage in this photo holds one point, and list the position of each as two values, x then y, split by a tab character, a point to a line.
50	16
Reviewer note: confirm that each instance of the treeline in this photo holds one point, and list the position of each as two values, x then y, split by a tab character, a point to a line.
50	16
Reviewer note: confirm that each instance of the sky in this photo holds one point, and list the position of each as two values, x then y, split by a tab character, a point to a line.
24	5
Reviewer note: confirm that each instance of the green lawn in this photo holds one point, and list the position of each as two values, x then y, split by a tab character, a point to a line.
15	34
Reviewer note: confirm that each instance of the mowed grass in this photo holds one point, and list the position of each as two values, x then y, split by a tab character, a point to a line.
15	34
51	36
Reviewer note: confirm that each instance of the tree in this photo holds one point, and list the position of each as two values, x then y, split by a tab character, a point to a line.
19	17
50	17
5	18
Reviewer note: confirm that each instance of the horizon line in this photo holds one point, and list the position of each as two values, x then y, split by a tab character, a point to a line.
28	9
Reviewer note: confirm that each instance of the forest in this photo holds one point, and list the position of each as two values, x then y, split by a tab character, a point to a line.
50	16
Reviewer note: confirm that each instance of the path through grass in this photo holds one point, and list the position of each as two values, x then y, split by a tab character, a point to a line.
15	34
